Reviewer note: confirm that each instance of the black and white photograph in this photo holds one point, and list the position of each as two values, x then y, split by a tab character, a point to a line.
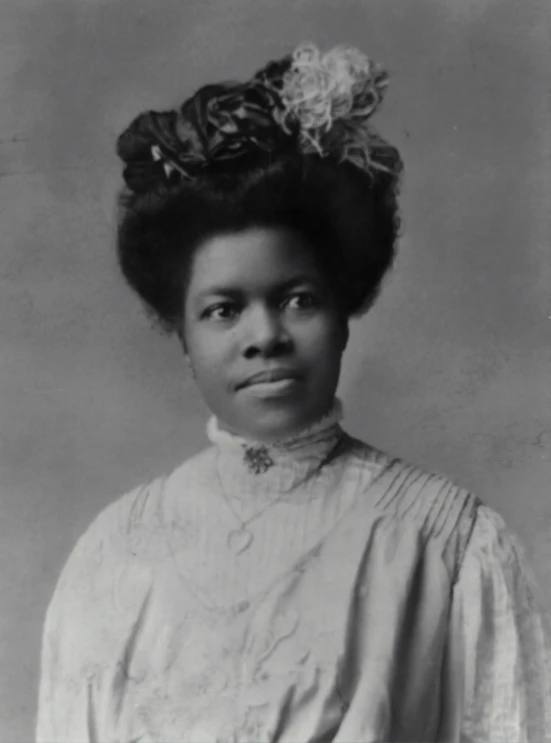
275	371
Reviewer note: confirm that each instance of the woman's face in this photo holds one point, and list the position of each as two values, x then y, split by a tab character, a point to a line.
256	302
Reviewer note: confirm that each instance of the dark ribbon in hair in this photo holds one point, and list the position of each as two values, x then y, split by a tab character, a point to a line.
219	124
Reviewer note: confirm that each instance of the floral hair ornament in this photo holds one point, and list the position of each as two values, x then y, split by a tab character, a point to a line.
308	102
331	96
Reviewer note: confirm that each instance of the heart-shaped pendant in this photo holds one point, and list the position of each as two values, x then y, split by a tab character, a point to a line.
239	540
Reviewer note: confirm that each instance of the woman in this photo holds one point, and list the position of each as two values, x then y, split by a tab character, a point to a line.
290	582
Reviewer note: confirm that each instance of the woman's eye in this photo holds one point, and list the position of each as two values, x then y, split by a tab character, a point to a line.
303	301
220	312
228	311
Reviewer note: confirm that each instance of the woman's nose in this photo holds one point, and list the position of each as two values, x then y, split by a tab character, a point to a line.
266	332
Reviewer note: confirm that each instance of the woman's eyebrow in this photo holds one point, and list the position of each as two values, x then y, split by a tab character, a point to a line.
235	292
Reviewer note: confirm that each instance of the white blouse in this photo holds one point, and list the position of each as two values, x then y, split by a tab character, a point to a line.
314	590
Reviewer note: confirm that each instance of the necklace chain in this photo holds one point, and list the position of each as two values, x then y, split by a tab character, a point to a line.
239	540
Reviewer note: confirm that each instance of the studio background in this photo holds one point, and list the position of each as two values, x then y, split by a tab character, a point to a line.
452	368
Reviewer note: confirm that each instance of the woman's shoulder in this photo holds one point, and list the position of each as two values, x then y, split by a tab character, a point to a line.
417	496
141	506
429	505
128	529
400	478
444	510
105	540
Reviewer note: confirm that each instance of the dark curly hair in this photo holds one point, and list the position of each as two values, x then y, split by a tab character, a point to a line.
252	177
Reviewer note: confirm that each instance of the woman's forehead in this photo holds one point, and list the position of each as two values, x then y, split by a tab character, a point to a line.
259	258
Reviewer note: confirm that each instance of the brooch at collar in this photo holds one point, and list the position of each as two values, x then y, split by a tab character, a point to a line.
257	459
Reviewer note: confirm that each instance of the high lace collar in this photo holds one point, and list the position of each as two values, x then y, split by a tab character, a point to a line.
254	466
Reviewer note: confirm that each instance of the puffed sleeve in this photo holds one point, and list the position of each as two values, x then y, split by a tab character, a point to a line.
72	644
505	636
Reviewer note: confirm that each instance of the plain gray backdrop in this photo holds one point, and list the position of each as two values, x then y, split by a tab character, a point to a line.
452	368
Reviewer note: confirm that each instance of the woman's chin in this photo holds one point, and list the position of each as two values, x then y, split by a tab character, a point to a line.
276	423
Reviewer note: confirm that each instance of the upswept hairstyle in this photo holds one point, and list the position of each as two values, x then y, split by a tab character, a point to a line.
292	148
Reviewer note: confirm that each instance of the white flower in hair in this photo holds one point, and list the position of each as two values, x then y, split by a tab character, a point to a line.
338	90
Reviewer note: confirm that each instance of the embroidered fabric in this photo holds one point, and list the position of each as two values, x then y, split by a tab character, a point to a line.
333	626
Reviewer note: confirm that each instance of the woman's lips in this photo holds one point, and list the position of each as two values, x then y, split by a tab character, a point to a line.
270	376
278	388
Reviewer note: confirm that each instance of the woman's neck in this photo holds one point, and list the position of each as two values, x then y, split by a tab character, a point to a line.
282	441
283	463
